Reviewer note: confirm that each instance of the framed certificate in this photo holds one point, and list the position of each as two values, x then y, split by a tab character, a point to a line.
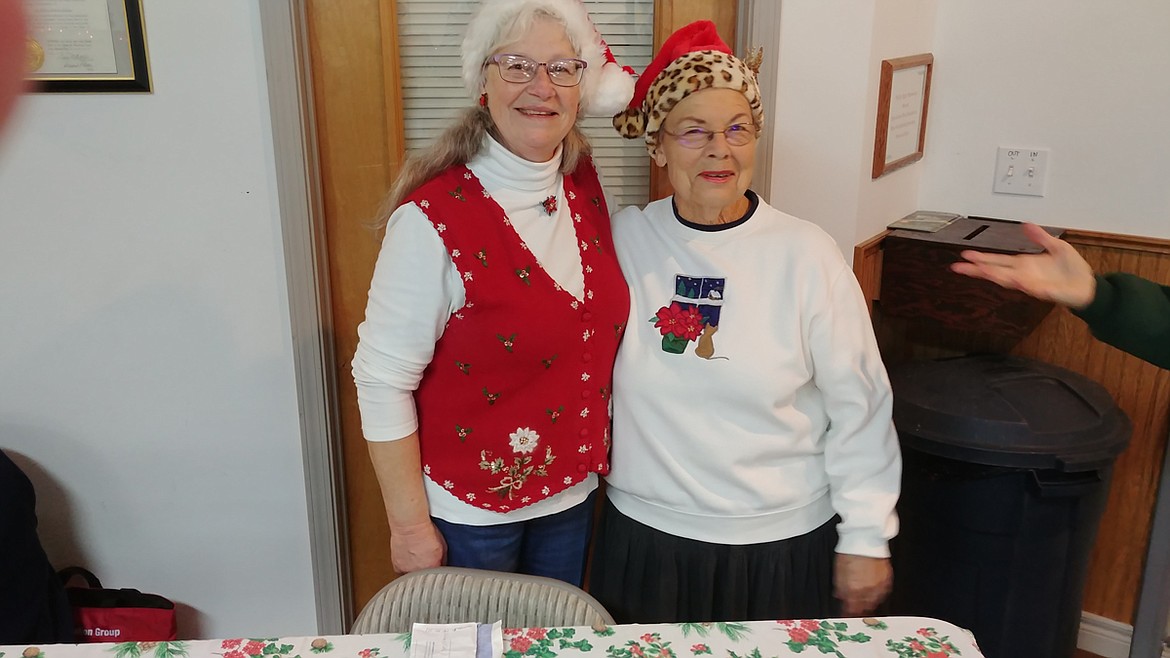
903	98
87	46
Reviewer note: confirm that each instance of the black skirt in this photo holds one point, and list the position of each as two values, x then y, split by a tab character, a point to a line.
643	575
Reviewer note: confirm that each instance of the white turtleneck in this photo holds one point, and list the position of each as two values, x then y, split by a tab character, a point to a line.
415	289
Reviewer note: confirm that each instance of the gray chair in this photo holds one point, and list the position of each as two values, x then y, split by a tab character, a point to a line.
447	595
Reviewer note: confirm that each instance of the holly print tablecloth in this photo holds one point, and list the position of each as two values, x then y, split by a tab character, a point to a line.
900	637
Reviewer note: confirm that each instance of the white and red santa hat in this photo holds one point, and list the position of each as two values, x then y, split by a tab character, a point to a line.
606	88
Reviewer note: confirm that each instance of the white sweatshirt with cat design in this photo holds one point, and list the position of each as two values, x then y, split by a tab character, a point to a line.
750	401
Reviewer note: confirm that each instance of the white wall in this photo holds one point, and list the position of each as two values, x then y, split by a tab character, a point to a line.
1089	80
819	131
826	110
901	28
146	380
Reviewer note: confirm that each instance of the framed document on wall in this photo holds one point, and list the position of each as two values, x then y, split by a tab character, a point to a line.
87	46
903	99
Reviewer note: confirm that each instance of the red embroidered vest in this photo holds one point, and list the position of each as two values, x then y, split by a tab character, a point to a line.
514	406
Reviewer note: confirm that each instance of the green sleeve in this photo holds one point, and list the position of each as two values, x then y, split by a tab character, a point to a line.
1132	314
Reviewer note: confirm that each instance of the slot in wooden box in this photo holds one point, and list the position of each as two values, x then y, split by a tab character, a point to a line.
917	281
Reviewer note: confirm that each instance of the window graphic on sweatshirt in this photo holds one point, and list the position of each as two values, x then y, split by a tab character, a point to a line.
692	315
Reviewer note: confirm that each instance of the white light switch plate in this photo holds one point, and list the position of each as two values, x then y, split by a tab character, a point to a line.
1021	171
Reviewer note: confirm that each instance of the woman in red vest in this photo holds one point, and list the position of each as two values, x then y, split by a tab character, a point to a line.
496	307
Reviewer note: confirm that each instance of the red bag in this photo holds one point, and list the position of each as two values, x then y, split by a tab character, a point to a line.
117	615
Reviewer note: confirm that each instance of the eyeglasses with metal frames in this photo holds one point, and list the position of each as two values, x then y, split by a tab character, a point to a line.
519	69
737	134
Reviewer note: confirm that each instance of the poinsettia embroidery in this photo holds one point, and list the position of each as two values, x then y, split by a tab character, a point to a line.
678	325
549	205
523	440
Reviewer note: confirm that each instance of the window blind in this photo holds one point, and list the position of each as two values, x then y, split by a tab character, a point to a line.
429	36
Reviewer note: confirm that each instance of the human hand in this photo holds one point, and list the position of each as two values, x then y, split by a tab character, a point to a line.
417	546
1058	275
861	583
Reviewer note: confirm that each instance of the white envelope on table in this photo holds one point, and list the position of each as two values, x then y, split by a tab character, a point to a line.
470	640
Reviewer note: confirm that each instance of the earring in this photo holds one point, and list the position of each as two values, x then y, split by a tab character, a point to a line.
483	99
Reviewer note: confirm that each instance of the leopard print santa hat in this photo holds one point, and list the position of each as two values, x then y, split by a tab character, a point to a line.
692	58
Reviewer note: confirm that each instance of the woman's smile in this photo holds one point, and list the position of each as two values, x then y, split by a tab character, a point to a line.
718	177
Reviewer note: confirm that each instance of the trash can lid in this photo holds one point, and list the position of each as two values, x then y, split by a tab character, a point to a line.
1007	411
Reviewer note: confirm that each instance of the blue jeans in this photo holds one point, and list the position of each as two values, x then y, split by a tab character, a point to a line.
552	546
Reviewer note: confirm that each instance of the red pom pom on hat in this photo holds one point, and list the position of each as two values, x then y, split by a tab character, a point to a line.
697	36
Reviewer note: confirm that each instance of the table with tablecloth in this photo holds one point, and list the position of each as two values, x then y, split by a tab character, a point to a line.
897	637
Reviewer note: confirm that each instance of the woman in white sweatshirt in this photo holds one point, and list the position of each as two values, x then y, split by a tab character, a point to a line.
755	463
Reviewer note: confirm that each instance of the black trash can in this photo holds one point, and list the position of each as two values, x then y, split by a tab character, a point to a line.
1006	467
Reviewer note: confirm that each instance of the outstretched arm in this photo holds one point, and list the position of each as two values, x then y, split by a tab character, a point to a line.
1058	275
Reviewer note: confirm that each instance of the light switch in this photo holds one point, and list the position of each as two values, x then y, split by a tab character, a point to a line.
1021	171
